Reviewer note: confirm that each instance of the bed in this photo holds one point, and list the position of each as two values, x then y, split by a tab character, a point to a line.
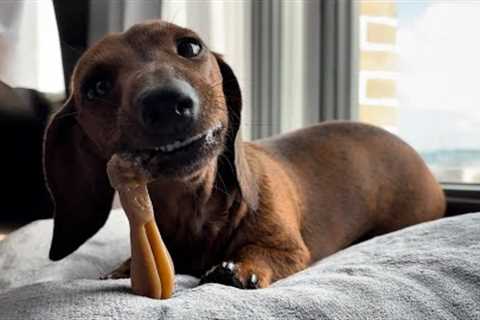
428	271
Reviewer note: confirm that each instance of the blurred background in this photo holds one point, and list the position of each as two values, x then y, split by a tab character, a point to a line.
410	67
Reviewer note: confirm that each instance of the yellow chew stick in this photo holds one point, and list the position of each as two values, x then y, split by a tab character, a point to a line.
151	271
165	269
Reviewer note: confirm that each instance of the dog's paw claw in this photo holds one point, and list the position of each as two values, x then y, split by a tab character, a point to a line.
115	275
109	276
252	282
223	273
230	266
226	273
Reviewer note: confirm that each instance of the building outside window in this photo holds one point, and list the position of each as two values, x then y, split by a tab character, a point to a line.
418	71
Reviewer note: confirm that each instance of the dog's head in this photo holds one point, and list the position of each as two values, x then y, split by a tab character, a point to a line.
157	95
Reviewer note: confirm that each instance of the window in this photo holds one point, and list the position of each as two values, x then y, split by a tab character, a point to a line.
28	35
418	70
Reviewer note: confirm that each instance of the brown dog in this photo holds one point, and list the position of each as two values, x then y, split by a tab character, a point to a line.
250	213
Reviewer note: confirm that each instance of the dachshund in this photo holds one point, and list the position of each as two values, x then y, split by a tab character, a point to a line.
238	213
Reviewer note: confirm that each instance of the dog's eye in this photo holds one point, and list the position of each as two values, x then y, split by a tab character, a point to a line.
98	89
188	47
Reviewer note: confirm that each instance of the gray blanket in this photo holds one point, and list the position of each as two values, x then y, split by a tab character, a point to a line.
429	271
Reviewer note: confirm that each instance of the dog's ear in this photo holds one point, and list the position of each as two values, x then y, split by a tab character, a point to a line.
234	151
77	181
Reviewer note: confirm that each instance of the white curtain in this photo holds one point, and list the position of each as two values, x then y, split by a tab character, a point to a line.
29	46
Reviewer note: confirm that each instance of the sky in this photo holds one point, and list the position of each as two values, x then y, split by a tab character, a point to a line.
408	11
439	70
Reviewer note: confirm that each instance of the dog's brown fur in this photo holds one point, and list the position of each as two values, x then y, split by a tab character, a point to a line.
272	206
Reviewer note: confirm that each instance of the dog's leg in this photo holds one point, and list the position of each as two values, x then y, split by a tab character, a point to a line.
122	272
256	266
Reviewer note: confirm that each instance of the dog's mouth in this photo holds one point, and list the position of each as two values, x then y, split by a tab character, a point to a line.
183	155
207	137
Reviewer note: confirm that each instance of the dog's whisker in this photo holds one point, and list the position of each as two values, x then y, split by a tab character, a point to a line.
106	101
232	167
72	48
219	188
66	115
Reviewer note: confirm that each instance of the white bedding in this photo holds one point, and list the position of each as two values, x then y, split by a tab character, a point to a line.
429	271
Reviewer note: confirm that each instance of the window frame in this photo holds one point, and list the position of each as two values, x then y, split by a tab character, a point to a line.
462	198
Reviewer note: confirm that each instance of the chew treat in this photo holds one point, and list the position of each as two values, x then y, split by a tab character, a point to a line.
151	271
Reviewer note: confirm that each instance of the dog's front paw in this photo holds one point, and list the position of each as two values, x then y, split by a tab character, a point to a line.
122	272
230	274
115	275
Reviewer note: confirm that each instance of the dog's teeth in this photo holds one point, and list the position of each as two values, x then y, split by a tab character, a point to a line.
209	137
180	144
192	139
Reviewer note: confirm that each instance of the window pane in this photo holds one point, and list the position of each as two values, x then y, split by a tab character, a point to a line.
419	64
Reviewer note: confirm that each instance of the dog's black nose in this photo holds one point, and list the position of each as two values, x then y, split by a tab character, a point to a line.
168	109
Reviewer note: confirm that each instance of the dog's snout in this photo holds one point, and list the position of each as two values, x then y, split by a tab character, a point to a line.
169	108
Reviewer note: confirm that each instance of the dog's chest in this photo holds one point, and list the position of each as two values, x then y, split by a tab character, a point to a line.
195	233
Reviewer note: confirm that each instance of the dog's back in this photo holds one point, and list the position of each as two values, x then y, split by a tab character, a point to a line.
353	181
